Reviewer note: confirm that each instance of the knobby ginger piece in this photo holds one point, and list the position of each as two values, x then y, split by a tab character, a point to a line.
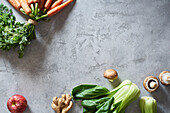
63	104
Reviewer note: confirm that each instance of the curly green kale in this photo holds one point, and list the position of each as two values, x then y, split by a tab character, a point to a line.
14	34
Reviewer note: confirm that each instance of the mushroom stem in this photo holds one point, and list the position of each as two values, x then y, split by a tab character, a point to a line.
111	80
152	84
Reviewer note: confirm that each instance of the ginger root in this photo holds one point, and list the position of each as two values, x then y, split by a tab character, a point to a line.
62	105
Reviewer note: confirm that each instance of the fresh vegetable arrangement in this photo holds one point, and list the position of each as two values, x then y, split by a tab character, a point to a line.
14	34
95	98
148	105
38	9
98	99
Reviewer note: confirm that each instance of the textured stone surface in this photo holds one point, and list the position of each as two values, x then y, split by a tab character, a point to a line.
80	42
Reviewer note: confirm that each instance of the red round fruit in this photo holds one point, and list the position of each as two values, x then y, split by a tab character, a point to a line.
17	104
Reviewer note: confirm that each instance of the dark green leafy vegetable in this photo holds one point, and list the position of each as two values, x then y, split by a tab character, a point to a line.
105	101
94	103
89	91
14	34
106	108
88	110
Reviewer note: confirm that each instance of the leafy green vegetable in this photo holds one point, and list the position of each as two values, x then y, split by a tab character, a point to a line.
106	108
14	34
94	103
105	101
124	94
88	92
88	110
148	105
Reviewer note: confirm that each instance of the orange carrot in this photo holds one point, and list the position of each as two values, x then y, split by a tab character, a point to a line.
25	6
56	3
30	2
36	1
15	4
55	10
41	4
48	4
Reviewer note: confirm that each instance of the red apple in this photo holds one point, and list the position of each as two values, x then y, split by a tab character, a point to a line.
17	104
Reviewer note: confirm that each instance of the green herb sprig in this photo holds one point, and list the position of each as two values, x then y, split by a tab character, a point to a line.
14	34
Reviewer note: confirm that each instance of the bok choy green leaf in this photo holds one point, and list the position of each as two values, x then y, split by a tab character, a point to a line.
98	99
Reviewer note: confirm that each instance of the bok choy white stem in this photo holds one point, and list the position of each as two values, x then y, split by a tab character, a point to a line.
148	105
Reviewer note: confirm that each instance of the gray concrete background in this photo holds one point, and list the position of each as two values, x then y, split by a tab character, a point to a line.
80	42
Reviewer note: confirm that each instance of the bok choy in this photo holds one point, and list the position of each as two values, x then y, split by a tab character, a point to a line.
98	99
148	105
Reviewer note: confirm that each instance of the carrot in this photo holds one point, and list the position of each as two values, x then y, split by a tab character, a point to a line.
41	4
36	1
30	2
25	6
55	10
15	4
48	4
56	3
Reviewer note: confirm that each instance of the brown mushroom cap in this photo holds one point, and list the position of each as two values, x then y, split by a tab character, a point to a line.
110	74
161	78
151	83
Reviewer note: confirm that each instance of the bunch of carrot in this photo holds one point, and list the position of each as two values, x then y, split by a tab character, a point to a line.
37	9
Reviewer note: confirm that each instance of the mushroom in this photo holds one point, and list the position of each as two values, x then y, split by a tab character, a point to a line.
62	105
110	74
151	83
164	77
